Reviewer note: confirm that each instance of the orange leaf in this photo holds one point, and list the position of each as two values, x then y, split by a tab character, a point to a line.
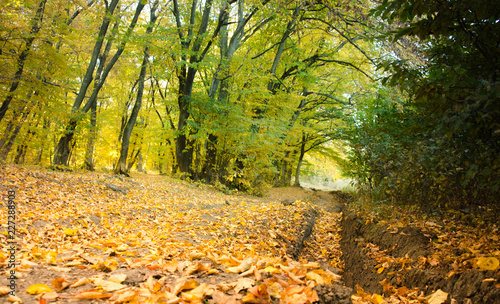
92	294
59	284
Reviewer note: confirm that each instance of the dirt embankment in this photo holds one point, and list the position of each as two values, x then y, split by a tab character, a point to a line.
357	238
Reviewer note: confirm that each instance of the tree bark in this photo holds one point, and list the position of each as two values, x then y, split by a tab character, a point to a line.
121	167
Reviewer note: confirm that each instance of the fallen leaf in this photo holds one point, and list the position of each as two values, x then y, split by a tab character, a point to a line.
92	294
196	294
38	288
184	285
70	232
197	267
488	263
377	299
243	283
271	269
222	298
438	297
117	277
80	282
107	285
244	266
49	296
124	296
14	299
59	284
4	290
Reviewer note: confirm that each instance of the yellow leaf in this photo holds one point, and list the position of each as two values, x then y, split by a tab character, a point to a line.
184	285
437	297
271	269
250	298
377	299
312	265
318	277
38	288
488	263
380	270
117	278
107	285
70	232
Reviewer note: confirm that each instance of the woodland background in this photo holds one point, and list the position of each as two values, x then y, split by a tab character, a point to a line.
402	95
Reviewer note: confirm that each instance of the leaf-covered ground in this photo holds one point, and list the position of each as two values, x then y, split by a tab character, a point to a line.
98	238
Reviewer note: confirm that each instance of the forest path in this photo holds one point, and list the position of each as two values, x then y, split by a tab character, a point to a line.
151	239
99	238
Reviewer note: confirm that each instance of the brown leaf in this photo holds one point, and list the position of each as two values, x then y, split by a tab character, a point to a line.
59	284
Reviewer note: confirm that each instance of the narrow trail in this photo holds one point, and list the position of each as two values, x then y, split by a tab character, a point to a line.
149	239
99	238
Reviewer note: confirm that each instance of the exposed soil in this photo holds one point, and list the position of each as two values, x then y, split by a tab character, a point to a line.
410	242
466	287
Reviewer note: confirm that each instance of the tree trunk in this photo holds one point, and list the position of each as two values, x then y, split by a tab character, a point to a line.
22	148
89	154
63	148
140	162
38	158
186	76
121	166
10	142
35	28
299	163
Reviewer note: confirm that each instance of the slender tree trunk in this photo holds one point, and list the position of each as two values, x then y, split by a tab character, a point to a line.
140	162
301	158
121	166
35	28
89	154
4	152
22	148
133	159
63	148
6	133
38	158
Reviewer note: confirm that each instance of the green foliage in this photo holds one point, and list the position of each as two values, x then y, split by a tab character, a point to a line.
442	147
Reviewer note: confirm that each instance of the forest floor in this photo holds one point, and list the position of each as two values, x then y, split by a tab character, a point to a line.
99	238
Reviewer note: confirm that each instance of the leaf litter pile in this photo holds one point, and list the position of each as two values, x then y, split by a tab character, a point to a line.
99	238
